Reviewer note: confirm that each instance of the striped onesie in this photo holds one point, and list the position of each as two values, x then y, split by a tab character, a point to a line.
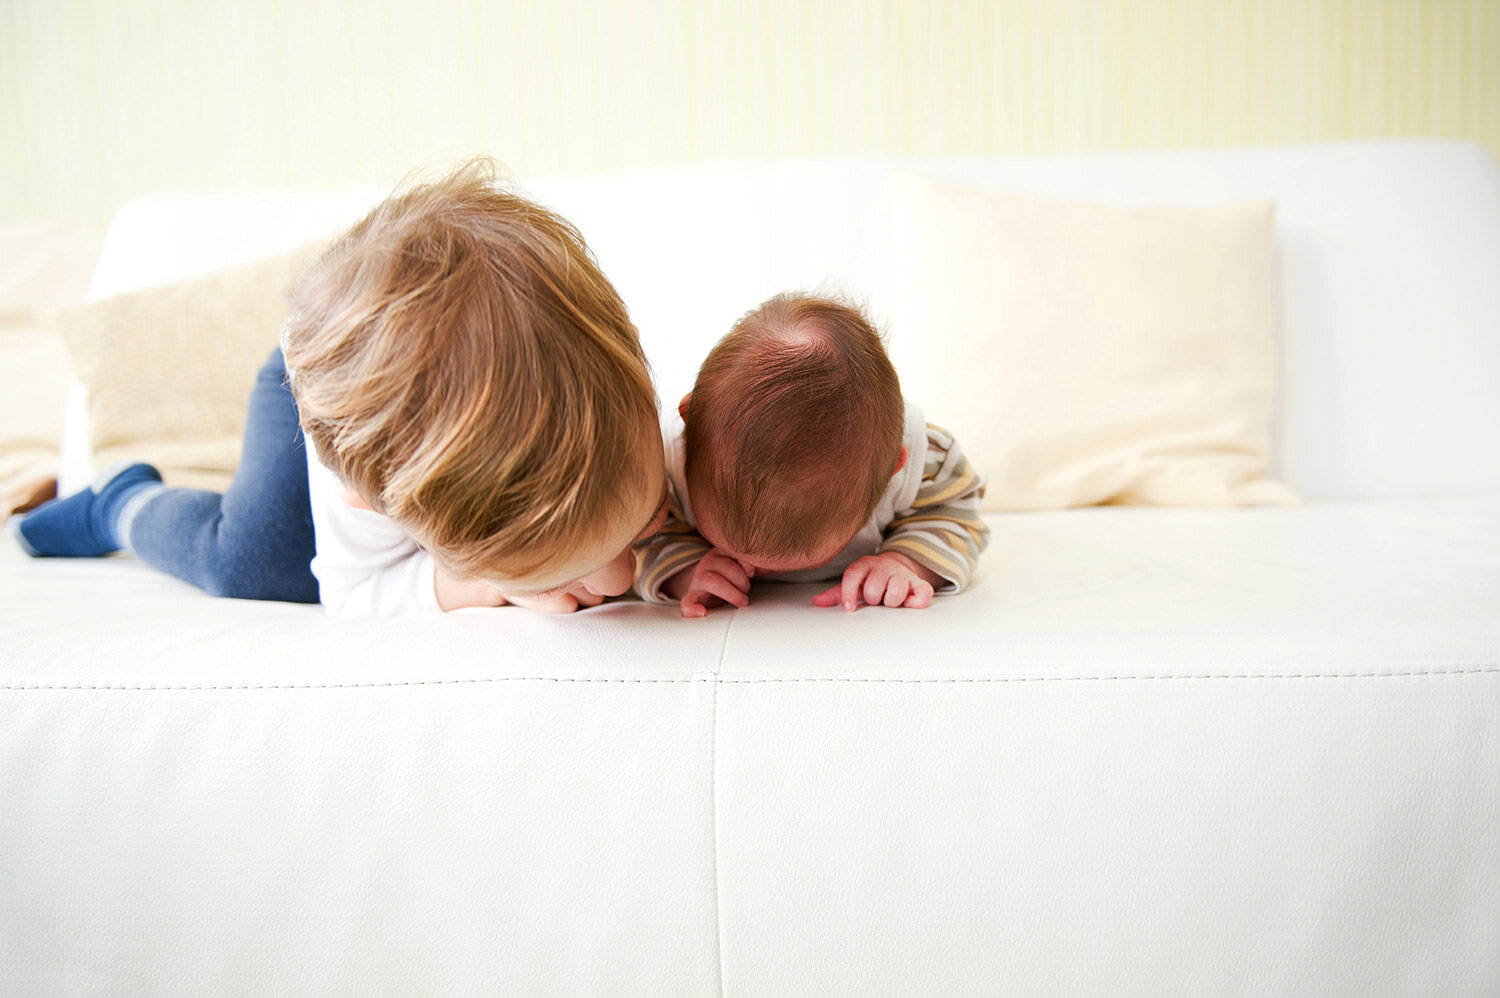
930	512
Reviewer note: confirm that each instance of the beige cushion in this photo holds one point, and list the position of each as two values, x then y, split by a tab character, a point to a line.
1086	353
44	267
169	370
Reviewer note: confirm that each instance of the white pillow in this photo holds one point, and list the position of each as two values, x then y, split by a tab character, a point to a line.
44	268
1085	353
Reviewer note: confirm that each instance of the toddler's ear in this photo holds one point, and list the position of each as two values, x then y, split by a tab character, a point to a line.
682	407
900	460
353	498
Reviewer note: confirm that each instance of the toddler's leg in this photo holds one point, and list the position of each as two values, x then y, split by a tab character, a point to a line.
252	542
256	540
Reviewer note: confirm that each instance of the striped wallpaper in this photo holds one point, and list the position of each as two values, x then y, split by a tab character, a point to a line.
101	100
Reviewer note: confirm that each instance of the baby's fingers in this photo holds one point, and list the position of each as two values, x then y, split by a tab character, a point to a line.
854	581
727	569
726	590
828	597
921	595
896	589
711	590
696	603
693	605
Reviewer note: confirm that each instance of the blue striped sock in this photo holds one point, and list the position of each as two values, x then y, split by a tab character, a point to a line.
85	524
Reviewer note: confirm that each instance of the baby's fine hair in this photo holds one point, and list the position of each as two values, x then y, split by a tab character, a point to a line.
794	426
462	364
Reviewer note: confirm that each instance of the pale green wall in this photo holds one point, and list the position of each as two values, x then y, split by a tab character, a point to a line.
101	101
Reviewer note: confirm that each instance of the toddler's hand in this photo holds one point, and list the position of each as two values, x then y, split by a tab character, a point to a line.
455	593
888	579
563	602
716	579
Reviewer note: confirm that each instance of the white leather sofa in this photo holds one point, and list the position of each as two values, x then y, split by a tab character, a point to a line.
1195	751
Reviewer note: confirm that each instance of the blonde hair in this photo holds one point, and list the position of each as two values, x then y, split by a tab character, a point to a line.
793	427
462	364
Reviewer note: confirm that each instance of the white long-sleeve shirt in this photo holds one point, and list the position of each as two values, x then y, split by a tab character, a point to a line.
366	565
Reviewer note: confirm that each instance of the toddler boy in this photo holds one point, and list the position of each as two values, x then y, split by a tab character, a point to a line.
480	428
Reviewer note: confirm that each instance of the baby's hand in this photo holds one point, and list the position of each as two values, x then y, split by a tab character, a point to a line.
716	579
887	579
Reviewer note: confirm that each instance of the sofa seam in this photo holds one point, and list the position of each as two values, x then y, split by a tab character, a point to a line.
713	798
716	679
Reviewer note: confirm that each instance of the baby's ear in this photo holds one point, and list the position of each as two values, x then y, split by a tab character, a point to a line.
900	460
682	407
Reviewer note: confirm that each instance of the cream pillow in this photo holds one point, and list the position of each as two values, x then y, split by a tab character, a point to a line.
169	370
1085	353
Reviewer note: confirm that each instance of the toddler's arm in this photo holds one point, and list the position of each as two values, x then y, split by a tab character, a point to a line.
366	565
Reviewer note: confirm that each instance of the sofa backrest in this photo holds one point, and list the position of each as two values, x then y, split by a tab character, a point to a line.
1390	279
1389	254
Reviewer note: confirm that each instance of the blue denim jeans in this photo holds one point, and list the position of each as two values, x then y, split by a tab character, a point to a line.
255	540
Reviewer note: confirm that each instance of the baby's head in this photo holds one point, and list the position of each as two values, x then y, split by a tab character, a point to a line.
463	366
792	432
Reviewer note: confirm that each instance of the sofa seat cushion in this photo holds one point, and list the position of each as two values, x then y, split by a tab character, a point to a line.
1102	592
1170	732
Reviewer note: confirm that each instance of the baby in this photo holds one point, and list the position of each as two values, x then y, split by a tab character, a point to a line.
797	459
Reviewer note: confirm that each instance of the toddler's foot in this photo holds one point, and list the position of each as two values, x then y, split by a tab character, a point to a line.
85	524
